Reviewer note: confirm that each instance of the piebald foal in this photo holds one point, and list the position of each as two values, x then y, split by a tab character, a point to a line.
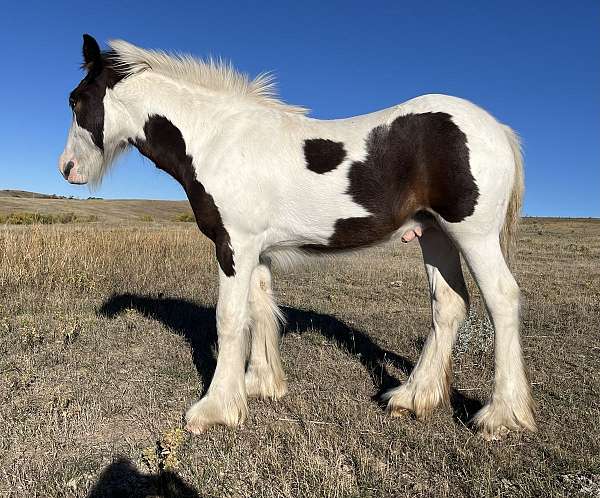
266	182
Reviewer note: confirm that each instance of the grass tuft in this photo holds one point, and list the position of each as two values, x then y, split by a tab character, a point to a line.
164	455
185	218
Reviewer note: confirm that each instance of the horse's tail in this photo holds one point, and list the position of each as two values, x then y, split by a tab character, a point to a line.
508	234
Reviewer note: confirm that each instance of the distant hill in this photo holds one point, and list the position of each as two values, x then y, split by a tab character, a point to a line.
18	201
29	195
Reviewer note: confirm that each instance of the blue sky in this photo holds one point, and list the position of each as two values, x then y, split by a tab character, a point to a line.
534	65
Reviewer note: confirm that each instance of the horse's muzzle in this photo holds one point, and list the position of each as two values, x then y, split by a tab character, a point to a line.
70	172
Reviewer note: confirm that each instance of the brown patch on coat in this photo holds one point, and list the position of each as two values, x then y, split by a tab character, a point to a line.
418	162
165	146
323	155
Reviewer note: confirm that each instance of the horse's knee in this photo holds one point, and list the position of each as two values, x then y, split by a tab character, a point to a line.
449	306
227	317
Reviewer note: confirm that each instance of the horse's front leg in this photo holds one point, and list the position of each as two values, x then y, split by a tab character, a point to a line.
225	401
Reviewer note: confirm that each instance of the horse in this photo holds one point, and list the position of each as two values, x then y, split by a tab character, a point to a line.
267	183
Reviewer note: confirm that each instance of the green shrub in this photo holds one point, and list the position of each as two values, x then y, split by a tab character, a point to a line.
44	219
185	217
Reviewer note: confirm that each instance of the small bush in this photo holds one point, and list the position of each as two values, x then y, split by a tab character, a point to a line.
146	218
44	219
185	217
164	455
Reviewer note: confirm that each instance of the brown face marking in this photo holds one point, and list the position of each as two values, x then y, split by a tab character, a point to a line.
323	155
418	162
87	100
164	145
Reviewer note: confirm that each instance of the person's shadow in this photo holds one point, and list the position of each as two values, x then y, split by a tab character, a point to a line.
197	325
122	479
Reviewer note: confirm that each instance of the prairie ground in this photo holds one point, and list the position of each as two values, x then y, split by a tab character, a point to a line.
110	211
107	335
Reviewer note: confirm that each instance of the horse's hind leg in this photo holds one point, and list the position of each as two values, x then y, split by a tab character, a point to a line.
429	383
510	406
264	377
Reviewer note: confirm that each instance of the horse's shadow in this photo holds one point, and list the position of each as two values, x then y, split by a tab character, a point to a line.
197	325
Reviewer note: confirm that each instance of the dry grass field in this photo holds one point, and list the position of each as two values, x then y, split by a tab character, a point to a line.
112	211
107	335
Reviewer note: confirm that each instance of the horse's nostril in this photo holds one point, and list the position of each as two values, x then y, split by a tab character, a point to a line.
68	168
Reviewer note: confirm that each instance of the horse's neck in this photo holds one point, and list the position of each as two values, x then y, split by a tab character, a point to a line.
199	114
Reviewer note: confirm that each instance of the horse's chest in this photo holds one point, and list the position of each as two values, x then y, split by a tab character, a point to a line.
165	146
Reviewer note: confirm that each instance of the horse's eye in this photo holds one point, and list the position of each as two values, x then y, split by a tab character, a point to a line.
72	103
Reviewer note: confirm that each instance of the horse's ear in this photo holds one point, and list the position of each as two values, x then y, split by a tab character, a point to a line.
91	51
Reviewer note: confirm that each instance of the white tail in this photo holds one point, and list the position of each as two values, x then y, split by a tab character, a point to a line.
508	235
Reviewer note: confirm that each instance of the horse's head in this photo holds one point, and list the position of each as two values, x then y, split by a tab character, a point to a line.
97	133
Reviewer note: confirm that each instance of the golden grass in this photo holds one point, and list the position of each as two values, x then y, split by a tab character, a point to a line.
107	335
102	209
